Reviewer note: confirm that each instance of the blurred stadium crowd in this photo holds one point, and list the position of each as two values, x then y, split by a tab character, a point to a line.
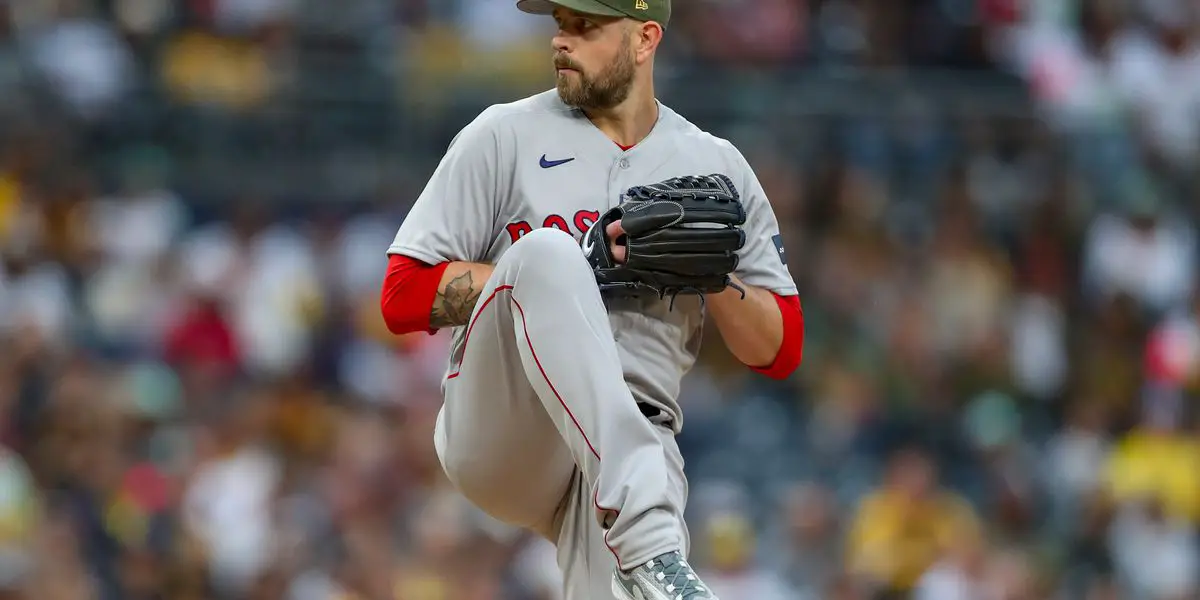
990	207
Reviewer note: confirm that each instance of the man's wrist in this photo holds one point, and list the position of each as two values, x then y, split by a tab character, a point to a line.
730	294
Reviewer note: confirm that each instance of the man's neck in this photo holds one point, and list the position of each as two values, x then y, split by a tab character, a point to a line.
628	123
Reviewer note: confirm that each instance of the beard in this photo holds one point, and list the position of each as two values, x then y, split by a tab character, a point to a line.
602	91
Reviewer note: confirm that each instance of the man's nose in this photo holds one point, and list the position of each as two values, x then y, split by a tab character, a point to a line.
559	43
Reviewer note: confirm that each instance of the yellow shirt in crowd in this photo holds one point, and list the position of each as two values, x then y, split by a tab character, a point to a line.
1163	467
894	540
10	204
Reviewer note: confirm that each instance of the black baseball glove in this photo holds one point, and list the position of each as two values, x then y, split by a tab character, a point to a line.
681	236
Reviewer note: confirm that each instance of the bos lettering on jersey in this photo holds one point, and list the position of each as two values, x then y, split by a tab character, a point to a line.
576	224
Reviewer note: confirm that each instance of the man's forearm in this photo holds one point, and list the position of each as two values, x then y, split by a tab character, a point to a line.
752	327
457	293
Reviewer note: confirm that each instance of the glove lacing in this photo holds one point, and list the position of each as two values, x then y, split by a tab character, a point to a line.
675	292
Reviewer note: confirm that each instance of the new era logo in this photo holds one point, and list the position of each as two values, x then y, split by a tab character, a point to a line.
641	5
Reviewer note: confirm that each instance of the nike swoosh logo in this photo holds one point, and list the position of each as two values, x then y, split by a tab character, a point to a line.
588	244
549	164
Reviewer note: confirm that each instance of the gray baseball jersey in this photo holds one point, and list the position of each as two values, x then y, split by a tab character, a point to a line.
548	378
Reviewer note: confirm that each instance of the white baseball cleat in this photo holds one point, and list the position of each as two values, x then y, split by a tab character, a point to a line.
664	577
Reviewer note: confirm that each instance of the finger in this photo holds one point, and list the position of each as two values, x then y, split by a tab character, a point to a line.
614	230
618	252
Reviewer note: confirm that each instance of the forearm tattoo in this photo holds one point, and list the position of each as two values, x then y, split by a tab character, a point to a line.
455	302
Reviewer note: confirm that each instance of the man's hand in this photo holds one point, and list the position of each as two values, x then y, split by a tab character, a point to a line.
613	234
678	236
750	322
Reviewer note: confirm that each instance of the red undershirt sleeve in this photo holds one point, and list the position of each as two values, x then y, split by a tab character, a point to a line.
792	348
408	293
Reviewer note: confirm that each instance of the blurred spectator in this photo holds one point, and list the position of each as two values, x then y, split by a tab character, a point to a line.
1074	461
1038	347
1141	251
265	276
810	546
204	68
1069	52
994	430
1172	354
975	572
902	528
228	503
1090	567
21	517
728	541
1159	69
1156	554
1156	461
82	57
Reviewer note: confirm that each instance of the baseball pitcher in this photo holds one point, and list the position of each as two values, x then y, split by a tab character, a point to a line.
574	240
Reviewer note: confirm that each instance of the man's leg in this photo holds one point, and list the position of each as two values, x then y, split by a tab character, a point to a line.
496	443
542	303
586	561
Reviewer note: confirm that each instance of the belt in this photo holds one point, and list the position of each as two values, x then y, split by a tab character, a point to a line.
649	410
655	415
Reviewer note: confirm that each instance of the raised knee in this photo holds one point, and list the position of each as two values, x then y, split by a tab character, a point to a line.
457	469
546	240
469	474
549	249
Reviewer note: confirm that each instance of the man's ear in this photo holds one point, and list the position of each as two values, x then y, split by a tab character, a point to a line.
646	37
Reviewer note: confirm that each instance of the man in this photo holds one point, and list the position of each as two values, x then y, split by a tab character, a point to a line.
560	407
901	529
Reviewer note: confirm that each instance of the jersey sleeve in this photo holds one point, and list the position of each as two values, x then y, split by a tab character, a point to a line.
762	261
455	217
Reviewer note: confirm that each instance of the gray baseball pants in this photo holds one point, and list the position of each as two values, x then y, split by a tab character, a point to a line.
540	430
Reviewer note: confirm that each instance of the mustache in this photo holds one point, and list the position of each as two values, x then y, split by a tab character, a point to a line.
564	62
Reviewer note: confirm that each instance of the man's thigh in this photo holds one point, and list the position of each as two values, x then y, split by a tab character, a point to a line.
496	443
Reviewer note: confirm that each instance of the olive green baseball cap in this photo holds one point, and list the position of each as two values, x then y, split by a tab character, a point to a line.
658	11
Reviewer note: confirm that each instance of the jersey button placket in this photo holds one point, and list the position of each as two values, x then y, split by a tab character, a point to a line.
615	177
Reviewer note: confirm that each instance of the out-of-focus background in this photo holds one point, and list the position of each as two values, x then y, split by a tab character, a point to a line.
990	208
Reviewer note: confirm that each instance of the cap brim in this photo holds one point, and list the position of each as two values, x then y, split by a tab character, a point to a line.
588	7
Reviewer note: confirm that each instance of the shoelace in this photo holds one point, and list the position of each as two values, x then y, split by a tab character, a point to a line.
673	572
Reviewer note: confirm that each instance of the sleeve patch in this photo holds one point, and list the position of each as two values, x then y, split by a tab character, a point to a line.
778	240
